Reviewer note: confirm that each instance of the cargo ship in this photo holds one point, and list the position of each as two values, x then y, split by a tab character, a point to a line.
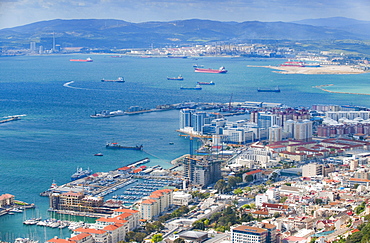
197	87
175	78
81	60
118	80
277	90
209	70
118	146
206	83
80	173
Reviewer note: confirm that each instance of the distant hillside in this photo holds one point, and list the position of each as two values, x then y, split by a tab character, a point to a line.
359	28
110	33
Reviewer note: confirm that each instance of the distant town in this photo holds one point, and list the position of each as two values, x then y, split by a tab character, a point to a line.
282	174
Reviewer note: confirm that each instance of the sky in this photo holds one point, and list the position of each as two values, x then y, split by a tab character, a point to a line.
20	12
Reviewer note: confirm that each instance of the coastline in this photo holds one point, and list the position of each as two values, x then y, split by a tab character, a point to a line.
325	69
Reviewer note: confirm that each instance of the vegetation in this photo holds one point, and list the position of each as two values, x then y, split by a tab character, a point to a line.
179	240
201	195
155	226
221	221
157	238
359	209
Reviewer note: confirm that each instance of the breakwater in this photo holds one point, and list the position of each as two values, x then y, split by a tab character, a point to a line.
335	92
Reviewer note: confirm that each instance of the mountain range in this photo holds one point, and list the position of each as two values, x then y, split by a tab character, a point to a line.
110	33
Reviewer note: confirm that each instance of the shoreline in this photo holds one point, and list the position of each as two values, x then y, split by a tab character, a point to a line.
325	69
335	92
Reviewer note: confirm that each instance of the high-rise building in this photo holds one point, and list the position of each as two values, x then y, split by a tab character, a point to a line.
303	130
201	172
275	133
185	118
312	170
33	47
198	120
266	120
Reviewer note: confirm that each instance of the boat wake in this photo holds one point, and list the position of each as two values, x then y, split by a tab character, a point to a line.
68	85
72	87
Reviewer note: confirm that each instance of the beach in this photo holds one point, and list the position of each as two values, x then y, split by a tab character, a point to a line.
324	69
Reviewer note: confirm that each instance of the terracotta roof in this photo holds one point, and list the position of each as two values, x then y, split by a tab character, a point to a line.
253	172
124	215
126	210
80	236
124	168
57	240
75	194
261	212
91	231
148	201
250	229
112	220
6	196
113	227
359	180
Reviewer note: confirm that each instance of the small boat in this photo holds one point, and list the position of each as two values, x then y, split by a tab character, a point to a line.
175	78
103	114
117	56
206	83
197	87
118	146
277	90
171	143
98	154
118	80
209	70
81	60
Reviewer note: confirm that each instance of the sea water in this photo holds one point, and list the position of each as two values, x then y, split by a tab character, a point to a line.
57	134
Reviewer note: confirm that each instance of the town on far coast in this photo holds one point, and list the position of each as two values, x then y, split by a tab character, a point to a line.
278	174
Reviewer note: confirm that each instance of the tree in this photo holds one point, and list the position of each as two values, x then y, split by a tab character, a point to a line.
139	236
283	199
179	240
157	238
233	181
220	185
238	191
198	225
149	228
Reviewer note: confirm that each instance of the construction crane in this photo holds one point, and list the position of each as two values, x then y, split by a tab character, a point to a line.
231	98
191	136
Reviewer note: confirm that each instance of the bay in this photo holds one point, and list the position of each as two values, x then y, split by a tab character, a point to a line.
57	135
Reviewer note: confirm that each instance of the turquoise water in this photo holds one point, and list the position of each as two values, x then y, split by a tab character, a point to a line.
57	135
